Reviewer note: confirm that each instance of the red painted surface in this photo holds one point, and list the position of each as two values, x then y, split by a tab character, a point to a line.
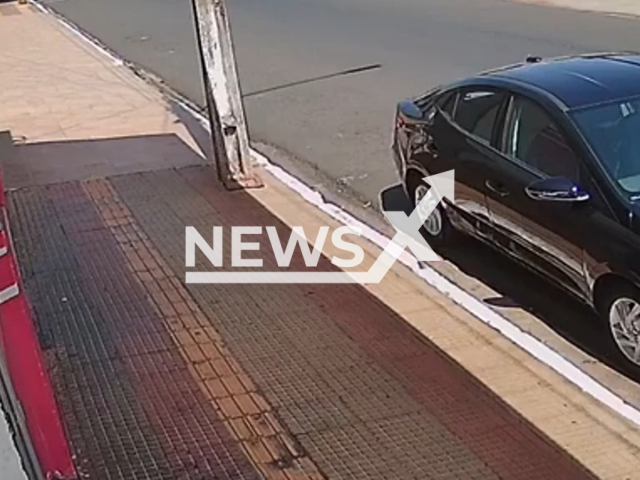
27	370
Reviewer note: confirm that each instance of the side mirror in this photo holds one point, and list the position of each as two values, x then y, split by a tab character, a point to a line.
557	189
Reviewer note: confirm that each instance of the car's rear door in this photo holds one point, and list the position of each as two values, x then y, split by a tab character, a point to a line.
461	139
546	235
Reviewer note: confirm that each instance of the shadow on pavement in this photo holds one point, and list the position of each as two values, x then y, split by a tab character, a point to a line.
74	160
195	128
520	288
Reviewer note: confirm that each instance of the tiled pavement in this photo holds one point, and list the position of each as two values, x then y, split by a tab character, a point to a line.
157	379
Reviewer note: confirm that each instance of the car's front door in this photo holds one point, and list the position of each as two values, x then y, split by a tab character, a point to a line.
545	234
462	138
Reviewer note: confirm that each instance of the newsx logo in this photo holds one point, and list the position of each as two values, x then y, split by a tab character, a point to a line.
283	256
407	235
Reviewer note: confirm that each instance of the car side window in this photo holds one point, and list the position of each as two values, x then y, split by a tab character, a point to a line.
447	103
533	138
477	112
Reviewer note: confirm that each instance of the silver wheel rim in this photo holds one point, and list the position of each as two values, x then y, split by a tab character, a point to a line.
432	221
624	320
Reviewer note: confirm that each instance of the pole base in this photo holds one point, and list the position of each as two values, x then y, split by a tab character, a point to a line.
243	182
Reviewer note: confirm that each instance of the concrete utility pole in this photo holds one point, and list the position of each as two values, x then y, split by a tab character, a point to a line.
224	100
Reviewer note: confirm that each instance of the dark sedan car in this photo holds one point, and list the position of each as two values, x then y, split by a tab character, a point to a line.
547	166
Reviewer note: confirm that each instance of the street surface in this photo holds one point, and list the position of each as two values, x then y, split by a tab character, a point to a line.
340	127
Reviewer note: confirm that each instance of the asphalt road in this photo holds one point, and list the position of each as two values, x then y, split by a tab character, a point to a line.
340	127
336	131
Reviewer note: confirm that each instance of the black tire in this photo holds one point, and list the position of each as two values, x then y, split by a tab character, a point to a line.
620	296
440	237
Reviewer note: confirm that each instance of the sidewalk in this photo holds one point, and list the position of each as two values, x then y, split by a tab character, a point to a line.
158	379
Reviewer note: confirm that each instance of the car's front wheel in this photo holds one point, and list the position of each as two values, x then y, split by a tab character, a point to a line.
436	227
622	314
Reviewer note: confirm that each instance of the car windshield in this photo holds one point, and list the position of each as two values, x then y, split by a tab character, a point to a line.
613	131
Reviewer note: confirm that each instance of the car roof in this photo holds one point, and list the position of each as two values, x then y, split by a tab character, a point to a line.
578	81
